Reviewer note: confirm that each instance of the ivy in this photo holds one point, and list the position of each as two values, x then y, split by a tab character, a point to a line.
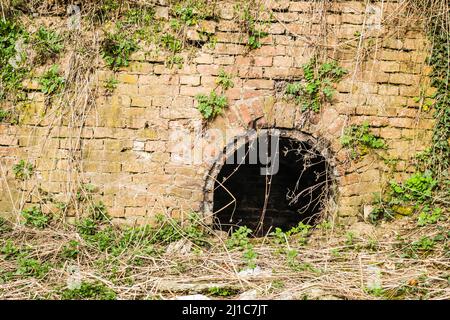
439	60
317	86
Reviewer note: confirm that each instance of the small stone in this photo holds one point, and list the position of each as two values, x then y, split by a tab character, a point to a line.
248	295
179	247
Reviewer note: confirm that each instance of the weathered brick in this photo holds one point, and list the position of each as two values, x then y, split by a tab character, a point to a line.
259	84
193	80
388	90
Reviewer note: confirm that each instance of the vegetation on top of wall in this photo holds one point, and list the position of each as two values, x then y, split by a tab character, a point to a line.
249	15
4	114
12	67
317	86
47	44
117	48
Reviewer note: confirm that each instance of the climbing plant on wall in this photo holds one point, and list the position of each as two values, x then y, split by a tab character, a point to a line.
439	61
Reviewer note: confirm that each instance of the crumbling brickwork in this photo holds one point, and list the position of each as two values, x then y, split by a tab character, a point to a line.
127	147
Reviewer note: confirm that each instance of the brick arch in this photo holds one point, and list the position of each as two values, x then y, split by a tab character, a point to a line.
322	145
265	112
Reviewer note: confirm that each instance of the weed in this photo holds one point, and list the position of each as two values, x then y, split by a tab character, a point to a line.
35	218
105	11
423	244
51	82
104	240
211	106
249	18
301	231
89	291
250	256
349	238
98	211
224	80
317	86
382	210
10	250
335	253
291	256
324	225
4	115
174	60
87	227
360	140
428	216
140	16
278	284
85	192
110	84
188	15
171	43
5	226
70	250
116	49
28	267
222	292
23	170
279	236
375	291
48	44
239	238
168	230
372	245
194	230
419	188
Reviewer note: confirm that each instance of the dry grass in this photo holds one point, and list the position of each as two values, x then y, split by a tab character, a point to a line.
331	265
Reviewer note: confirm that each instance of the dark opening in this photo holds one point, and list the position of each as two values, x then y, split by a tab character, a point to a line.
295	193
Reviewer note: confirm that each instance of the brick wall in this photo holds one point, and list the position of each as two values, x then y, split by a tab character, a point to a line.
129	149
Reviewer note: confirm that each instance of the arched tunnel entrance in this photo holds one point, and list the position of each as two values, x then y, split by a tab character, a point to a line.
271	180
